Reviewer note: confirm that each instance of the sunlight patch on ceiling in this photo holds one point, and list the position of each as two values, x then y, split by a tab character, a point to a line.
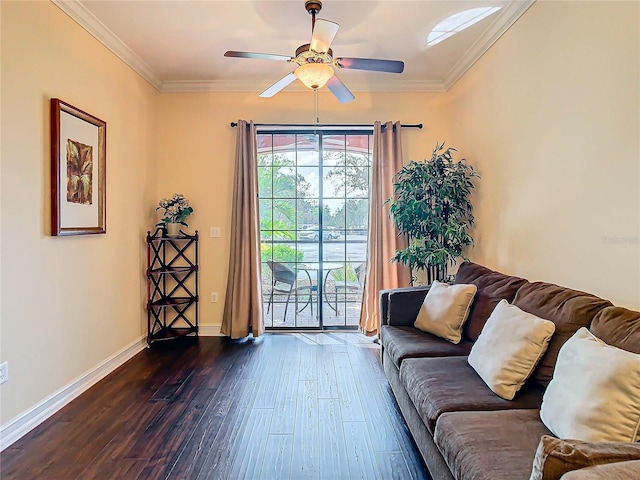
457	23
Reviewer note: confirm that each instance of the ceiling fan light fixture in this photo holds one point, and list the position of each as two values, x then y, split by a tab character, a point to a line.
314	75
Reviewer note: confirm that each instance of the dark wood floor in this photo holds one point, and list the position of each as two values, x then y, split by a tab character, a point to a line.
283	406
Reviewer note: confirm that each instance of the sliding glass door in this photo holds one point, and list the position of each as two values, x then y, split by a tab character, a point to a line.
314	200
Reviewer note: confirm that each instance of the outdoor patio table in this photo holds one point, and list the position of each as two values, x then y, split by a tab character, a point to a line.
322	270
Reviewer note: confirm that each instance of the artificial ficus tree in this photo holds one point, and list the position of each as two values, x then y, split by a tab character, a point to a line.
431	206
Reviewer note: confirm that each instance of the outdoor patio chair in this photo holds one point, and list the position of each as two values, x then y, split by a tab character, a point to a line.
285	281
351	286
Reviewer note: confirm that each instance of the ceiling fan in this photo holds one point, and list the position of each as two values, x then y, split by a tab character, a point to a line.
315	60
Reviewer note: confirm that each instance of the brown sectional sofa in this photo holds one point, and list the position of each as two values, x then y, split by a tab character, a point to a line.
462	429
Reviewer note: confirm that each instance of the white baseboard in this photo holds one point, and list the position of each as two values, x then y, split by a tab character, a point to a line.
27	421
209	330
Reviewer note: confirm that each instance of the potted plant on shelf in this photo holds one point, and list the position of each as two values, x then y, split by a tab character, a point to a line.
431	207
176	210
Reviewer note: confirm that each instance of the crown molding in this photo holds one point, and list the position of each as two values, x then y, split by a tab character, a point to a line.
87	20
508	17
192	86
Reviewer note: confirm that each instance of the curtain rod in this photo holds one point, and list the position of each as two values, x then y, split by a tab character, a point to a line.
324	125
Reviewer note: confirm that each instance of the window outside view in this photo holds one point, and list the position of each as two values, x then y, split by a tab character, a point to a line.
314	201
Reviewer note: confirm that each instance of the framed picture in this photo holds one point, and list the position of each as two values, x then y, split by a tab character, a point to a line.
78	161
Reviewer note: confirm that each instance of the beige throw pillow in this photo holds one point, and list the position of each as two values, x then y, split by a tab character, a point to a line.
509	347
445	309
594	395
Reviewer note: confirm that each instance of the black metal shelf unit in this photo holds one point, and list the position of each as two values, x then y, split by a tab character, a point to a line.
172	286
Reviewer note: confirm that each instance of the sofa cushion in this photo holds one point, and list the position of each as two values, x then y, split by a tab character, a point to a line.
449	384
509	348
568	309
409	342
595	392
618	327
555	457
445	309
612	471
490	445
492	287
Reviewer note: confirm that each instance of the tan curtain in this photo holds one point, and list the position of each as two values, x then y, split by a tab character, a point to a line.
243	300
383	236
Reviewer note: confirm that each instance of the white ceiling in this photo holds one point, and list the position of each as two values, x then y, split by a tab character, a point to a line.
179	45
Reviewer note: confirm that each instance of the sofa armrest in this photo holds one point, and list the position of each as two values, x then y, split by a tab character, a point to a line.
555	457
627	469
400	306
384	307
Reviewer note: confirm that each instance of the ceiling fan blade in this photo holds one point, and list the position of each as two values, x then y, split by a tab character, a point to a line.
259	56
324	32
279	85
340	90
372	64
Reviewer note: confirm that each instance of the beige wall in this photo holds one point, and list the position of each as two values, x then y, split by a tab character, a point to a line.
196	148
68	303
550	119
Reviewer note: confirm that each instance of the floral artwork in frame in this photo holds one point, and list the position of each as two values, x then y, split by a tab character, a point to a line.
78	161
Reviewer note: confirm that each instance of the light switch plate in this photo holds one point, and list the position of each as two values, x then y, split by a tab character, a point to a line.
214	232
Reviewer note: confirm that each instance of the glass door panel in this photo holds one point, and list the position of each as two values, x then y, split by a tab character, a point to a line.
313	191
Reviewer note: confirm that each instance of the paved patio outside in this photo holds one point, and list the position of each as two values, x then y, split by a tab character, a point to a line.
338	310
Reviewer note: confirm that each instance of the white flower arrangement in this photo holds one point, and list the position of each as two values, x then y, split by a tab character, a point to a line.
176	209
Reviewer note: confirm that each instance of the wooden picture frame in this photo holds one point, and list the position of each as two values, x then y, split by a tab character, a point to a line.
78	165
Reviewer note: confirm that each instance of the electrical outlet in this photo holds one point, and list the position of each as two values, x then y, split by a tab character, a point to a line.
214	232
4	372
214	297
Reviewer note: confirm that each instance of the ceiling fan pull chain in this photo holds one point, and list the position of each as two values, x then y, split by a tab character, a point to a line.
315	108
